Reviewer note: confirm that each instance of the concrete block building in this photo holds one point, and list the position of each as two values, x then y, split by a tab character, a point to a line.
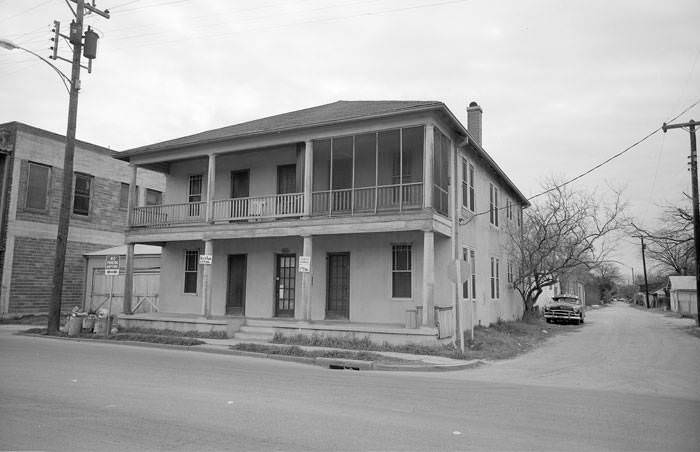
345	218
31	161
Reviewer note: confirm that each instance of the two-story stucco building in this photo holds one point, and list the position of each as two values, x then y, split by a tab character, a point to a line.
341	218
31	168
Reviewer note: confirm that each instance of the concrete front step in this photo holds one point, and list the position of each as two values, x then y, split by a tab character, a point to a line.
253	337
257	329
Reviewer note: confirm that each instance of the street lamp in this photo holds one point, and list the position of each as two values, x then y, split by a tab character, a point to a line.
9	45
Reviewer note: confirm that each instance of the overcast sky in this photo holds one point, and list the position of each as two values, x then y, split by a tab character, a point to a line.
563	84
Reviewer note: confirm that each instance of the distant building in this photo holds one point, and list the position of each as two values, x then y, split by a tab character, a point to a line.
683	295
31	172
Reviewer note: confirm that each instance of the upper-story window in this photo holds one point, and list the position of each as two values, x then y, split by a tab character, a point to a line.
519	216
441	168
509	209
468	201
81	194
493	204
154	197
124	196
38	186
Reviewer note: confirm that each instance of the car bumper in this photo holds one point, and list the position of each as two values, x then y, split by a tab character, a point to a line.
563	315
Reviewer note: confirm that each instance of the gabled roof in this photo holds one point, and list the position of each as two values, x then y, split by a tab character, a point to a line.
333	113
328	114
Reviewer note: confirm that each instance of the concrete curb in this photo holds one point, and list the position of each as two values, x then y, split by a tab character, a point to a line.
329	363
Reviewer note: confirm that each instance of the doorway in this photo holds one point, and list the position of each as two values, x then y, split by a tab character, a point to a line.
285	284
240	188
338	286
235	295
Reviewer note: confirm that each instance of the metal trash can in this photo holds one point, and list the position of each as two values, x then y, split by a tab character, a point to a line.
74	325
103	325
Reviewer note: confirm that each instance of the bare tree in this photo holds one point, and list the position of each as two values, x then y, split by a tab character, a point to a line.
564	231
671	246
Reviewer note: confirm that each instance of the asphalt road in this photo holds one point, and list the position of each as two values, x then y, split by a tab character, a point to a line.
67	395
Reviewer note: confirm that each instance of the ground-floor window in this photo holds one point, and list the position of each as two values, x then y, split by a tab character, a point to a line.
495	279
401	271
469	259
191	258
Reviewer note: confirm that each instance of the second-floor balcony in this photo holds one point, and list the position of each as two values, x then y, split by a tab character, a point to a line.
353	201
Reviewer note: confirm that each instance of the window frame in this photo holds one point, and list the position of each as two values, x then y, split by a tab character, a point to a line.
495	279
124	200
469	286
160	196
409	270
47	188
89	179
468	192
191	195
493	204
187	254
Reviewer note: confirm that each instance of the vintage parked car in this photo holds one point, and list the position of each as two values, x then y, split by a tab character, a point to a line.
564	308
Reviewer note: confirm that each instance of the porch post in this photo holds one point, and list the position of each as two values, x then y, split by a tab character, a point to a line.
428	277
308	178
206	279
128	278
132	196
211	181
428	152
305	313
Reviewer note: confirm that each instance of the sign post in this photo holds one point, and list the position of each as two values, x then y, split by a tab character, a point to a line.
111	270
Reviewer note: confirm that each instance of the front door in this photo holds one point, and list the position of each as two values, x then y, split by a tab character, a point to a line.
240	188
235	296
285	284
338	287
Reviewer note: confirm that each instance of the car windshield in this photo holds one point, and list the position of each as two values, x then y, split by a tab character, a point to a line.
567	300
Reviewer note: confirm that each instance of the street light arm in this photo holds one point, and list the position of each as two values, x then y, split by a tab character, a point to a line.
5	44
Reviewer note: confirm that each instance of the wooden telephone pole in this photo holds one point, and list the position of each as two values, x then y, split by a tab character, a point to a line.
76	39
696	202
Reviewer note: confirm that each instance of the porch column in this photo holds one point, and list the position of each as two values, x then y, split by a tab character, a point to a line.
428	152
308	178
211	181
206	279
306	278
132	196
428	277
128	278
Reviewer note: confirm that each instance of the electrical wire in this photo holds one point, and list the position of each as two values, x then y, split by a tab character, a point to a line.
12	16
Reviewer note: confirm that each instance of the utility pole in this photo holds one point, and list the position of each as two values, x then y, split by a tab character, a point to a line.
75	38
696	202
644	263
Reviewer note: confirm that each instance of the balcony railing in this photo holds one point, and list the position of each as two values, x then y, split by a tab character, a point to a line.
259	207
358	201
170	214
364	200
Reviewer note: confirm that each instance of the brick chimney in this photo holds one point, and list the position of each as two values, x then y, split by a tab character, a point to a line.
474	113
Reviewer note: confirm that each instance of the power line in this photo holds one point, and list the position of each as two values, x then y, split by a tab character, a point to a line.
624	151
12	16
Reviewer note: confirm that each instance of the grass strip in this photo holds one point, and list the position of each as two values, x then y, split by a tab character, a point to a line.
294	350
499	341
